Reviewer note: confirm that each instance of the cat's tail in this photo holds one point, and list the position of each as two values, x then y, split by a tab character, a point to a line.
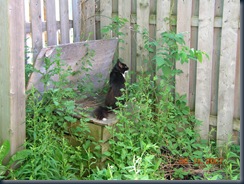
101	113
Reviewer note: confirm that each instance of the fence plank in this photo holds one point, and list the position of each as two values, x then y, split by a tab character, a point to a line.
237	100
204	69
64	21
161	24
105	15
125	47
231	13
36	27
142	55
76	11
184	9
88	19
51	23
12	75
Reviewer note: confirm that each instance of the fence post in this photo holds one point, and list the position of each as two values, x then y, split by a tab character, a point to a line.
204	70
12	75
231	13
184	11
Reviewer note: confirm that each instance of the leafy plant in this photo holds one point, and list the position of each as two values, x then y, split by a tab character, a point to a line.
154	139
4	150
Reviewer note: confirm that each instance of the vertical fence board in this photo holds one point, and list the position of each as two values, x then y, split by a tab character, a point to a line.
231	12
36	27
237	100
183	26
215	60
215	71
203	85
125	47
51	23
192	70
12	74
106	15
64	21
142	17
76	11
163	12
88	19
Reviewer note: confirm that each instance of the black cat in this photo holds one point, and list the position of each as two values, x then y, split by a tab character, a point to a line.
116	83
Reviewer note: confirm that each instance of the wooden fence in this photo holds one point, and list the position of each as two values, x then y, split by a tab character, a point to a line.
212	87
12	76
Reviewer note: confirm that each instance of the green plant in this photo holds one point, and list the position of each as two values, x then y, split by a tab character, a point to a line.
28	63
153	115
143	131
51	155
228	156
14	161
155	137
4	150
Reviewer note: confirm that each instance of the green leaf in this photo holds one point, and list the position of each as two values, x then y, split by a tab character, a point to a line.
159	61
199	57
4	150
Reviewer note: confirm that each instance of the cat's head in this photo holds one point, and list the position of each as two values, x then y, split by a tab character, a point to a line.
121	67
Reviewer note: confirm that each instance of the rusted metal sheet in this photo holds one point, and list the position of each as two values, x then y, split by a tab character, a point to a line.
73	55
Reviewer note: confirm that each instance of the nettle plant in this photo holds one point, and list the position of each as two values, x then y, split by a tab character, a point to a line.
49	154
155	128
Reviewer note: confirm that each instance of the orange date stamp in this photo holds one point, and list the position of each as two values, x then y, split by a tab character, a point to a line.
214	161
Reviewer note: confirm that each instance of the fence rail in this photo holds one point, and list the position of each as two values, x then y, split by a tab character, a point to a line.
212	87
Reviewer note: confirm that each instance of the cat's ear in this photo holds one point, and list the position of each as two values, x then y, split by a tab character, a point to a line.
119	63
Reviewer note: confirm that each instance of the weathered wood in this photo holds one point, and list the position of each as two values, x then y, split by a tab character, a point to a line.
184	9
51	23
76	10
215	71
105	16
88	20
64	21
231	13
161	24
125	45
12	74
142	55
204	69
73	54
152	20
192	70
44	26
237	101
36	27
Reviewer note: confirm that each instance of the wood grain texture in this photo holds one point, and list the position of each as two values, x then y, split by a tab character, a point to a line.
51	23
12	75
142	17
105	16
237	101
125	46
204	69
163	12
183	26
88	20
231	13
77	20
64	21
36	27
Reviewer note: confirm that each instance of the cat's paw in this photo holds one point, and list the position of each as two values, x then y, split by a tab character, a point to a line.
104	119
